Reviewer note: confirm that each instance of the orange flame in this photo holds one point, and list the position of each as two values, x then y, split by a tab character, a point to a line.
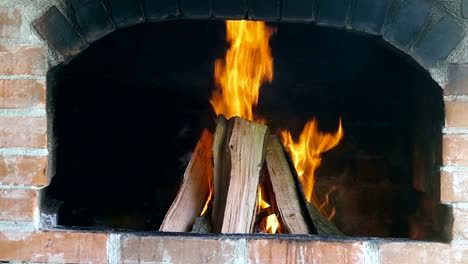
208	200
247	65
272	222
239	76
261	203
306	156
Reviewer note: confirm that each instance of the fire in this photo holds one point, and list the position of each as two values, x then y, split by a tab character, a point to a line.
247	65
261	203
306	156
208	200
272	222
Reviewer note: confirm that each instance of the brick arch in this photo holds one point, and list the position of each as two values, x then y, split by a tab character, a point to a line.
420	28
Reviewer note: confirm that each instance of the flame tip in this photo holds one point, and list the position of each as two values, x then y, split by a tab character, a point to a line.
306	156
248	63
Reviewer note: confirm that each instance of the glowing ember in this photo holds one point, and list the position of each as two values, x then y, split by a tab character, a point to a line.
306	156
247	65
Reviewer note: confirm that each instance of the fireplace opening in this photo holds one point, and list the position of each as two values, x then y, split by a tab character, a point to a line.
128	111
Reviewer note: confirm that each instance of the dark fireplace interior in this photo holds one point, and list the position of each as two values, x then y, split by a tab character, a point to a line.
129	110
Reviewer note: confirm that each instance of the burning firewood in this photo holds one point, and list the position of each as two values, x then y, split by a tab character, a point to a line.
321	225
284	188
237	172
246	193
255	188
221	167
194	189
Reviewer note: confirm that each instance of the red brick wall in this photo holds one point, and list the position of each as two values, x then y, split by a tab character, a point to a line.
454	173
23	172
23	155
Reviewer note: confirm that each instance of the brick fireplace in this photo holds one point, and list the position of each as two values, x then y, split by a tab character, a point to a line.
38	37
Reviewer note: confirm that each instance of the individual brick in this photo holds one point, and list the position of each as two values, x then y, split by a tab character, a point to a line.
298	10
407	22
17	170
230	9
55	247
414	252
439	42
17	205
10	22
455	149
177	250
277	251
22	94
23	132
196	8
126	13
454	186
333	12
263	9
456	114
160	10
459	229
92	18
369	15
23	60
59	33
458	254
457	83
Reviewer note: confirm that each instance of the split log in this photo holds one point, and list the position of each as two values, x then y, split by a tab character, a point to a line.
284	189
321	225
221	167
194	189
241	158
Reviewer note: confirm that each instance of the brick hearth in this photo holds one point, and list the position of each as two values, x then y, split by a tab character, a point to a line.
36	35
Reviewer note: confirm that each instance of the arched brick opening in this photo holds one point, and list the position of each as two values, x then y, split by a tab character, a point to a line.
424	29
150	104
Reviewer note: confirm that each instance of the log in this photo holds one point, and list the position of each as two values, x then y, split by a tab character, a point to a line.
194	189
242	158
220	184
321	225
284	189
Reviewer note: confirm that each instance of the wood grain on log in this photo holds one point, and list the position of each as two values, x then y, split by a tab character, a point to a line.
245	147
194	189
284	189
